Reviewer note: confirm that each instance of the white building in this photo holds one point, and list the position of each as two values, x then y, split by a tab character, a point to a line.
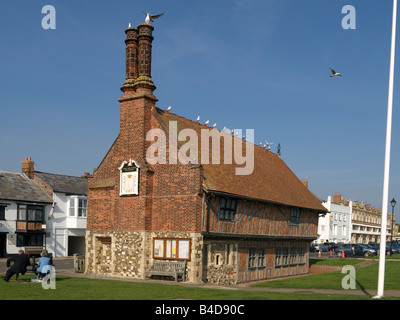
28	219
336	225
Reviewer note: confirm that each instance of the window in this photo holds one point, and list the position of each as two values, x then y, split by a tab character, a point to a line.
294	216
171	248
227	209
2	213
289	256
25	240
78	206
72	207
256	258
30	213
82	208
21	212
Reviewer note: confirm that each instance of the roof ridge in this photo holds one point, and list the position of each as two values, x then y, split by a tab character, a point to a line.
206	126
59	174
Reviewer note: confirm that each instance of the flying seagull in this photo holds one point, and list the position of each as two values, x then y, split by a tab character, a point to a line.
150	18
334	73
169	108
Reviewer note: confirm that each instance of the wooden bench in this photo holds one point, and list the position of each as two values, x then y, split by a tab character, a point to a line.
31	268
168	268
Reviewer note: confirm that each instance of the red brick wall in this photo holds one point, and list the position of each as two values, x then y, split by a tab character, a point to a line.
169	194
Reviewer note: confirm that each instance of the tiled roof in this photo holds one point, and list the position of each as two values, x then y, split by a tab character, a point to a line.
64	184
18	187
271	180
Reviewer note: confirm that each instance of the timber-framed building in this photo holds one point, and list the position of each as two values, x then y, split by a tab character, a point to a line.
229	228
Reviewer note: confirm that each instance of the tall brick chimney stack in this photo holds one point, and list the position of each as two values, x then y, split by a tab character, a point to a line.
144	83
131	60
138	99
28	168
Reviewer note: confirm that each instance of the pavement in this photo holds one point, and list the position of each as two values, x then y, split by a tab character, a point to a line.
64	267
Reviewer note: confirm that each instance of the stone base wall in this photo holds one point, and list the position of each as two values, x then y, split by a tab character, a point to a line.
114	253
220	262
130	254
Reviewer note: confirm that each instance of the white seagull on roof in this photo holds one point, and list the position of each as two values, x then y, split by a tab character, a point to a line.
334	73
150	18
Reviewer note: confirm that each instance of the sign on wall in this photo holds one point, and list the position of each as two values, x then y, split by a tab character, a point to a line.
129	178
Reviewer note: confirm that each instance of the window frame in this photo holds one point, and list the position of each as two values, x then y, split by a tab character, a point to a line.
34	209
168	246
294	219
2	213
227	208
256	258
78	210
25	239
290	256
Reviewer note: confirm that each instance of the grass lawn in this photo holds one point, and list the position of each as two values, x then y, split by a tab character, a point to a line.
334	262
70	288
366	278
77	288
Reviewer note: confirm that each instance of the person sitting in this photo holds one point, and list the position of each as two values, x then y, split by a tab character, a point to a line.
43	261
21	261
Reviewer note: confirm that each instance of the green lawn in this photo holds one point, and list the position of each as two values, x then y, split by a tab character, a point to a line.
334	262
69	288
366	278
76	288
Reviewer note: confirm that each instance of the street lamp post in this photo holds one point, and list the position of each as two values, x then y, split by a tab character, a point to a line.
393	203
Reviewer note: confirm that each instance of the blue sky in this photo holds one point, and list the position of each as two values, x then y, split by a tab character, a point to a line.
245	64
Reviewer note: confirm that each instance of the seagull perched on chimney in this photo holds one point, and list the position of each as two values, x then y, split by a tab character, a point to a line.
334	73
150	18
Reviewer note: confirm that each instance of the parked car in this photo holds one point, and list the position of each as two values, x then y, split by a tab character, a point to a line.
395	248
312	248
366	250
355	249
344	247
323	247
330	245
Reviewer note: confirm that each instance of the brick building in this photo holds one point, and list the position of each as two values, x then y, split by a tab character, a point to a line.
229	227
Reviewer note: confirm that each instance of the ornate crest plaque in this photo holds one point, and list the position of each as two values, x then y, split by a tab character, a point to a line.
129	178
